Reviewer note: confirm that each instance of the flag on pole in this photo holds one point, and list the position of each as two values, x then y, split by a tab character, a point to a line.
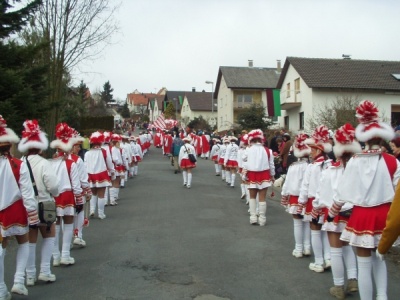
160	122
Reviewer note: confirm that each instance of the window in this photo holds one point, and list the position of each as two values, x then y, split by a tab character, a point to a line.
244	100
288	90
297	85
301	120
286	122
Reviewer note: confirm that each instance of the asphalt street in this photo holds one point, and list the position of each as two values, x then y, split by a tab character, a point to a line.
164	241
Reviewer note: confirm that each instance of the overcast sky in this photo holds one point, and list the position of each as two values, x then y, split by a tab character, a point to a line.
180	44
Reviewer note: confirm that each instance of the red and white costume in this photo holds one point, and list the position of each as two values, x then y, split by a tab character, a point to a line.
205	145
231	155
167	144
214	155
17	200
184	161
70	191
259	166
18	209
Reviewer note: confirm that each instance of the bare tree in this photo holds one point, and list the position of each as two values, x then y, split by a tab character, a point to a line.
75	31
335	113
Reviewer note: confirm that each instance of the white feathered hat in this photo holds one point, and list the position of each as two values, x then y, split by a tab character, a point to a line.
32	137
65	138
320	139
370	127
300	148
345	141
7	135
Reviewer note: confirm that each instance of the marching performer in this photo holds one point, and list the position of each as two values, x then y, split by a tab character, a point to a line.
221	157
18	209
79	220
99	166
137	155
244	143
33	142
128	157
184	162
214	155
119	160
231	161
107	147
368	183
344	148
70	197
259	170
319	241
290	196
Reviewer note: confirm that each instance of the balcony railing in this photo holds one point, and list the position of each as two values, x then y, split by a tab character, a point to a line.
294	100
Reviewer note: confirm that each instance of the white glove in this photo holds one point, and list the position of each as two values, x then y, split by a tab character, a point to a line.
113	176
380	256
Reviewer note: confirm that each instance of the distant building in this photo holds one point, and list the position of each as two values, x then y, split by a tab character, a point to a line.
306	83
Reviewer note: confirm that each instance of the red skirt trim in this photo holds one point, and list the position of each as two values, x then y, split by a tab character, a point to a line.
120	169
336	220
231	164
368	220
138	159
186	163
293	200
14	215
258	177
99	178
309	206
221	161
214	158
65	199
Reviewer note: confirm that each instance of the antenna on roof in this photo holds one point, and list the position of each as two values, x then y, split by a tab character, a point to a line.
346	56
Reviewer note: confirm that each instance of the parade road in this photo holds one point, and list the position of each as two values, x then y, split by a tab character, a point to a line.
164	241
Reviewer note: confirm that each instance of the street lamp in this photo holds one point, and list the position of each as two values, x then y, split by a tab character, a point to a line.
212	101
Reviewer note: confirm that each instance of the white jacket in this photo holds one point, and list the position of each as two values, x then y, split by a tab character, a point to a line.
231	153
255	159
11	190
294	178
45	178
186	149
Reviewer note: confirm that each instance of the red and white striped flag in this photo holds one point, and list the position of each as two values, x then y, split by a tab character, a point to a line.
160	122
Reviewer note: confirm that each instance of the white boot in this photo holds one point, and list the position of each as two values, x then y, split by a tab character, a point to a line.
93	203
252	210
262	208
243	189
102	203
247	194
189	182
233	179
185	178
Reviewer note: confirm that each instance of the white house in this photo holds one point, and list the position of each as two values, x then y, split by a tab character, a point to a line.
308	83
240	87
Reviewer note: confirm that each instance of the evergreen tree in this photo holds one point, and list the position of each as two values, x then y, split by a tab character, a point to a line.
106	95
169	111
253	117
124	111
22	79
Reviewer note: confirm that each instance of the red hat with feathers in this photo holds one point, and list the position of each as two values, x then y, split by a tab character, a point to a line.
320	139
32	137
370	127
300	148
345	141
64	135
96	138
7	135
255	134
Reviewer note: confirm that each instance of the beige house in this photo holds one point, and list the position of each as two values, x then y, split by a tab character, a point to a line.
309	83
240	87
196	104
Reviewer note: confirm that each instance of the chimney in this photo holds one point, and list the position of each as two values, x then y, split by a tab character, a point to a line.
250	63
278	67
193	89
